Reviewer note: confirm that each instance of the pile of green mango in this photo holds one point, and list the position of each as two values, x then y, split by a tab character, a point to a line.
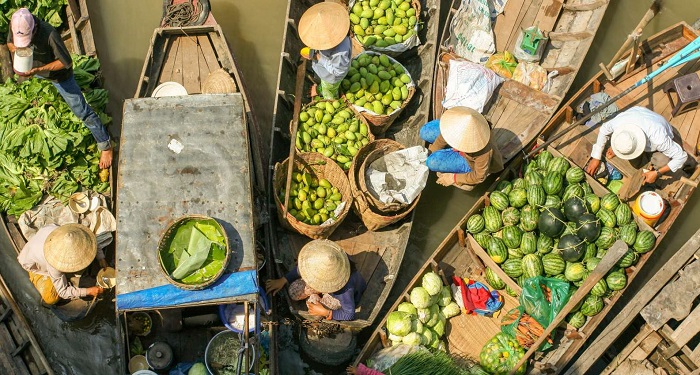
330	128
312	201
382	23
375	83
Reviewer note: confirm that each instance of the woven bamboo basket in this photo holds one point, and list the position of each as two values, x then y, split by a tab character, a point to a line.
219	82
319	167
163	243
373	155
357	46
371	216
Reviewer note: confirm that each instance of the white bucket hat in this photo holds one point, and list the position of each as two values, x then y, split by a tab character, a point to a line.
324	266
324	25
465	129
628	141
70	247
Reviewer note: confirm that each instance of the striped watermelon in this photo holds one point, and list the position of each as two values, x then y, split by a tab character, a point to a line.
532	266
553	264
623	214
644	242
534	178
574	271
518	183
497	250
591	251
492	219
512	235
543	159
591	263
493	279
600	288
499	200
528	243
535	195
575	175
607	218
510	216
513	268
504	186
587	189
515	253
517	197
558	164
601	253
545	244
483	239
592	202
552	201
553	183
592	305
576	320
475	224
616	280
521	280
606	238
529	218
511	292
573	190
628	233
580	282
530	167
630	258
561	277
610	201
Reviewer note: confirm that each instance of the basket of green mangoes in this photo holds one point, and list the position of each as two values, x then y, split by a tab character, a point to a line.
389	26
319	195
331	128
379	88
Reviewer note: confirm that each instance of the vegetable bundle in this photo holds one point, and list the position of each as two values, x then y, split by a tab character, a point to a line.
44	147
47	10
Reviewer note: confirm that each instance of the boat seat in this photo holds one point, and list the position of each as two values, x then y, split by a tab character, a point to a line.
687	89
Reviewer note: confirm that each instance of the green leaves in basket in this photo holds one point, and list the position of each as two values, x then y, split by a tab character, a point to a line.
194	256
196	252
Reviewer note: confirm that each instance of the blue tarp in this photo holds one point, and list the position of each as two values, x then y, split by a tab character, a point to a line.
230	285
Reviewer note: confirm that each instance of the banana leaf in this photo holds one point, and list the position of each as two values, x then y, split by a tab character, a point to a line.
180	251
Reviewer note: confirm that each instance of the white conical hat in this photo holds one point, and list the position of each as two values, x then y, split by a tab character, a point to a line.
465	129
324	25
628	141
324	266
70	247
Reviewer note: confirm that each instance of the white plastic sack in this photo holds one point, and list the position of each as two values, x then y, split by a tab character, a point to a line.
469	85
399	176
394	49
472	36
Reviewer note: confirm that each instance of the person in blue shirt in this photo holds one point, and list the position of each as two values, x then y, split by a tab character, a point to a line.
325	277
324	30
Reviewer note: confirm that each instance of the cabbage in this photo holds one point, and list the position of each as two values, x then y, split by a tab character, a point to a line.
432	283
435	341
451	310
434	311
396	343
399	323
420	297
198	369
416	326
412	339
424	315
407	307
427	336
439	327
393	337
445	296
434	299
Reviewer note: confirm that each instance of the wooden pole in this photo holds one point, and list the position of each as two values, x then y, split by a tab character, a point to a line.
298	93
5	63
648	16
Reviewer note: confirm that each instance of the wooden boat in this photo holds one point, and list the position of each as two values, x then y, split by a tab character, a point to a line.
517	112
378	254
460	255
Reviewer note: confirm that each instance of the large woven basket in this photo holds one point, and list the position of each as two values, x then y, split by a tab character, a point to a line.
319	167
219	82
357	46
370	215
369	158
163	243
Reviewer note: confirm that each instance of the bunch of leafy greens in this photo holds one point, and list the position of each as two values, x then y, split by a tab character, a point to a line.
47	10
44	147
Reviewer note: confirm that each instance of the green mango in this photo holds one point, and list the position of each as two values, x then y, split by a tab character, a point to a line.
378	12
404	92
355	87
405	78
367	13
386	99
400	29
370	40
374	88
364	23
378	107
358	30
389	33
396	93
384	87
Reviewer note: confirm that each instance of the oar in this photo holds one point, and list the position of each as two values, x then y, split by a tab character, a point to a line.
618	249
688	53
298	93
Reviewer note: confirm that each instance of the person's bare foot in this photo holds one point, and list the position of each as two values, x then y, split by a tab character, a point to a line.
106	159
314	91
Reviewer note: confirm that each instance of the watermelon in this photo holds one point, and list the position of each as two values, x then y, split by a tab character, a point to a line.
610	201
576	320
553	183
571	248
591	263
543	159
530	167
575	175
606	238
587	189
607	218
553	264
518	183
513	268
630	258
574	207
574	271
600	288
511	292
560	276
573	190
533	178
529	217
497	250
616	280
551	222
591	251
528	244
558	164
517	197
628	233
483	239
515	253
592	202
552	201
644	242
499	200
504	186
592	305
510	216
493	279
623	214
475	224
535	196
545	244
588	227
532	266
583	278
601	253
570	228
512	235
492	219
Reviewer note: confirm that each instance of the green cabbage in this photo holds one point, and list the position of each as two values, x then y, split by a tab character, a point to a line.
432	283
412	339
416	326
424	315
427	336
398	323
451	310
394	337
445	296
408	308
439	327
198	369
420	297
434	311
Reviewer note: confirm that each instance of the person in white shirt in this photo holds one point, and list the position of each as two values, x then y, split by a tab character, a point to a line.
634	135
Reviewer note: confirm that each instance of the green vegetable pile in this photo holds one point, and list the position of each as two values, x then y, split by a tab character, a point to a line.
47	10
44	147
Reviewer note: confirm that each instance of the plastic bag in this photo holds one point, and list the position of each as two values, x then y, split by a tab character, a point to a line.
531	74
521	54
503	63
501	354
386	357
399	176
472	36
469	85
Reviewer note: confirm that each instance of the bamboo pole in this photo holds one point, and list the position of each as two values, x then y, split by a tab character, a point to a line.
648	16
5	63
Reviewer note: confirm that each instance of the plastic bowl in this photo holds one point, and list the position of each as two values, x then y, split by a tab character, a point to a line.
137	364
235	312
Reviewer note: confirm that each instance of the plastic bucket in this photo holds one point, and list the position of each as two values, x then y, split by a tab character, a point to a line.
649	206
24	58
232	315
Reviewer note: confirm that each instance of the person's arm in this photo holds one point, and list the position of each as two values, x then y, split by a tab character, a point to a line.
347	305
439	144
674	152
63	59
603	137
64	288
11	47
480	170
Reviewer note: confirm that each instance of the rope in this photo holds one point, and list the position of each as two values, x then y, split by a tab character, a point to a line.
183	14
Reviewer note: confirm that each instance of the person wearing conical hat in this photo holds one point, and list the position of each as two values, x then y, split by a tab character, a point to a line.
640	135
323	28
461	148
53	254
324	275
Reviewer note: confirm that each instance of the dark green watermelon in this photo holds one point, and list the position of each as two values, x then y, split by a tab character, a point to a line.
571	248
574	207
588	227
551	222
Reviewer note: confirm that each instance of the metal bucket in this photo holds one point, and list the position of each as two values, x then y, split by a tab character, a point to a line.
649	206
24	59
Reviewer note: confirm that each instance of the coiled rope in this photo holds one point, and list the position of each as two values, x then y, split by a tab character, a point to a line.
183	14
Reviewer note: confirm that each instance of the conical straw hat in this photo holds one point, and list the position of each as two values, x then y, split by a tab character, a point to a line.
70	248
219	82
324	266
324	25
465	129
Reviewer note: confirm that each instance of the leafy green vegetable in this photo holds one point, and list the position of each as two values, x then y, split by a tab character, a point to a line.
47	10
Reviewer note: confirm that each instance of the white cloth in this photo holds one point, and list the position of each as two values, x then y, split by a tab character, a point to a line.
399	176
659	135
333	64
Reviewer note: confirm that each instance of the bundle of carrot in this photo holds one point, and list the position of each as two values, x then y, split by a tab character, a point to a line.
528	329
